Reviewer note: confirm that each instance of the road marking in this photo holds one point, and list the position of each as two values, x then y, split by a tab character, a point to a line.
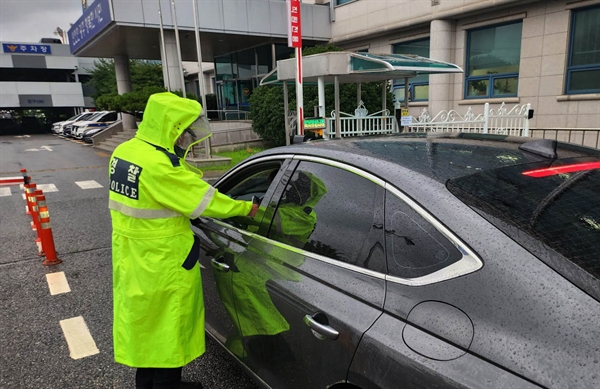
45	187
80	341
100	153
57	283
47	148
5	192
24	197
91	184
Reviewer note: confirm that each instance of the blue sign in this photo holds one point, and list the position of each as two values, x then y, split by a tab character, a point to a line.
95	18
15	48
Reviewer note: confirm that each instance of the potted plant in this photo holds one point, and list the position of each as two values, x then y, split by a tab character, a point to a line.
480	86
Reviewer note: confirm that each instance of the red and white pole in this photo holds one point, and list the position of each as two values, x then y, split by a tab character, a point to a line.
299	92
295	41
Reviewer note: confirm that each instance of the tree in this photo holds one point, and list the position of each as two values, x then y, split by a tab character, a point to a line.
144	74
266	102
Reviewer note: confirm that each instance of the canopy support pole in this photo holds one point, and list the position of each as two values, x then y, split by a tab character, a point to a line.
405	92
321	87
286	117
384	96
338	122
358	94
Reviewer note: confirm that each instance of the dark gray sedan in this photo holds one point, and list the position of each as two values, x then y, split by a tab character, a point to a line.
428	261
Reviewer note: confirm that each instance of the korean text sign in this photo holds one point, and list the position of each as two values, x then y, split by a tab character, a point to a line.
94	19
294	24
15	48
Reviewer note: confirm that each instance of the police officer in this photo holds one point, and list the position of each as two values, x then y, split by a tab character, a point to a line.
158	305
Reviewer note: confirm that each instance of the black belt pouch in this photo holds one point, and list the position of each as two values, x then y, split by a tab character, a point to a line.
193	256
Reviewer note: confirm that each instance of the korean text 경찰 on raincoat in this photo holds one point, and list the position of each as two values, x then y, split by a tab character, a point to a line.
158	304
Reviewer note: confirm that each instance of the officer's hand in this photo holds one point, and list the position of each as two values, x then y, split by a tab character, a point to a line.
253	210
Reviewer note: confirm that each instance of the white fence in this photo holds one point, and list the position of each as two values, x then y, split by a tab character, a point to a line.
501	121
361	123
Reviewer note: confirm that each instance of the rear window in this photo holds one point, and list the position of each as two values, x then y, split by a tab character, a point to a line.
558	207
442	159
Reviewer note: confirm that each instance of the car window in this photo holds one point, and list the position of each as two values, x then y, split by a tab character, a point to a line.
94	117
556	202
253	181
332	212
109	117
415	247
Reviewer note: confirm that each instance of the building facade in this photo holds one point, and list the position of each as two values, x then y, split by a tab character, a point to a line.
540	52
42	80
546	53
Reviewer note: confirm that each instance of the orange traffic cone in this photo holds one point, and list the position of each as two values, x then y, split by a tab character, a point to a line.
35	214
29	190
47	238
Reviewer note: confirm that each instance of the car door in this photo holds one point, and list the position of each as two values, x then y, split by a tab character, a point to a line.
420	340
315	284
223	241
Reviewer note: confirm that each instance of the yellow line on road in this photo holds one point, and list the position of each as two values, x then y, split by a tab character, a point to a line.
80	341
100	153
57	282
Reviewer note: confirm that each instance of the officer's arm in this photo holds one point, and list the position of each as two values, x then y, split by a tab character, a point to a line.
183	191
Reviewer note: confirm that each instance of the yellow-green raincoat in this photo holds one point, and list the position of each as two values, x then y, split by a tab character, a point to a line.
158	305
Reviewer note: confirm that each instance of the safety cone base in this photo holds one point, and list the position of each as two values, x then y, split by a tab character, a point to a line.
50	263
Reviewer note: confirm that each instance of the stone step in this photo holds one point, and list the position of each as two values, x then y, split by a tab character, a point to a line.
122	137
105	147
112	142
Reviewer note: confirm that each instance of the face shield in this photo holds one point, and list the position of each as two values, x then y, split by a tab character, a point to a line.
197	132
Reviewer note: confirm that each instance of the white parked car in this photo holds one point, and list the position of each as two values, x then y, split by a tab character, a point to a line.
101	120
58	127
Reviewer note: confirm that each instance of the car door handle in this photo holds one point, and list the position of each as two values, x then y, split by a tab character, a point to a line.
218	265
323	329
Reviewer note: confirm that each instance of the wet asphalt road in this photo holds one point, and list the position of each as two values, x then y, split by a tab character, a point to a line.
33	349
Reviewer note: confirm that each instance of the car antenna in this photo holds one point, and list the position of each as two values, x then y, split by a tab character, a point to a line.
543	147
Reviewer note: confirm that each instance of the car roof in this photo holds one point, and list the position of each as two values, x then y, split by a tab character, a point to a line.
440	156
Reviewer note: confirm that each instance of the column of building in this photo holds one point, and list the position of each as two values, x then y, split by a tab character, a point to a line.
123	76
441	86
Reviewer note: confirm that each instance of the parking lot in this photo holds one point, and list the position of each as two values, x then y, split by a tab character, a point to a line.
35	352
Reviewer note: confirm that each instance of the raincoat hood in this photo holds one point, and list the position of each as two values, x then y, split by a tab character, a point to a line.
166	117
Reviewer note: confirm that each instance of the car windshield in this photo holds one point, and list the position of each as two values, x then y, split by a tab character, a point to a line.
94	117
85	117
557	202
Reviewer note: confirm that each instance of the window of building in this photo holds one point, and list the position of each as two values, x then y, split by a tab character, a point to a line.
583	72
246	63
415	247
340	2
265	59
324	209
493	56
418	87
223	68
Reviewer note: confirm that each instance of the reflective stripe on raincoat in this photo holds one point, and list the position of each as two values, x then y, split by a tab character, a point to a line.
158	305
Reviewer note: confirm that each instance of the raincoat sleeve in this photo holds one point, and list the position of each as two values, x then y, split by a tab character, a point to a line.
183	191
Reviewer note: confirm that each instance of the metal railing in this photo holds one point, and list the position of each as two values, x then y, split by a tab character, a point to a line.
222	114
589	137
501	121
378	123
